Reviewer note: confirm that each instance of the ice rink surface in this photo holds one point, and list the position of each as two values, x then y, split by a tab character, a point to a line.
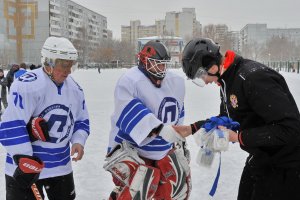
93	183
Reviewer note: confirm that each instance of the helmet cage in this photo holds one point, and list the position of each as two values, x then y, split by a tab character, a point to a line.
157	68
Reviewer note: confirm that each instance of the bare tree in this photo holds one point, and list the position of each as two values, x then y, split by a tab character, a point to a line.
124	51
280	48
113	50
82	44
253	50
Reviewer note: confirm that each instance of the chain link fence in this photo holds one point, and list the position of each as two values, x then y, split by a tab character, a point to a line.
286	66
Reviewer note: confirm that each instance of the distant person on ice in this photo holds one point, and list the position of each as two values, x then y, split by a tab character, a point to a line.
46	122
3	91
259	99
11	74
144	161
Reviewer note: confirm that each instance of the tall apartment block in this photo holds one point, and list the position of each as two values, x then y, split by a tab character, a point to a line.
25	25
260	34
177	24
183	24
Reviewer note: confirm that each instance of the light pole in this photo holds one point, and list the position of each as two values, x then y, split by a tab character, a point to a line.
269	59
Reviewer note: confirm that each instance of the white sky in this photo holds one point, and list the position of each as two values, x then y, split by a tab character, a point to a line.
234	13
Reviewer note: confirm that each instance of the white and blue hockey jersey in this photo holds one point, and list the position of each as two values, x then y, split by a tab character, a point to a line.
140	107
63	107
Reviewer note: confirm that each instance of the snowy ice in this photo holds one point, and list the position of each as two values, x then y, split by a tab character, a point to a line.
93	183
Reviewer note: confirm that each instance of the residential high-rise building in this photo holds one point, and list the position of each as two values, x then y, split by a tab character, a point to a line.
253	33
40	19
260	34
182	24
221	33
136	30
234	38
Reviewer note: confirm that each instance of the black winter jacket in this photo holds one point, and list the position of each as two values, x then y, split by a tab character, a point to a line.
259	99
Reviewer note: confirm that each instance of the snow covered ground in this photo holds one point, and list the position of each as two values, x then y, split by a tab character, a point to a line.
93	183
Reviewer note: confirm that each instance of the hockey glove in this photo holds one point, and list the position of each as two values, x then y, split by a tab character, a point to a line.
169	134
28	170
37	128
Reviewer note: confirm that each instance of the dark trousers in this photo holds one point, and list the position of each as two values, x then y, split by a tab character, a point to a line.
270	184
57	188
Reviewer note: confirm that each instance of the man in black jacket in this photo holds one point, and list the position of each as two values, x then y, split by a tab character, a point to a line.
259	99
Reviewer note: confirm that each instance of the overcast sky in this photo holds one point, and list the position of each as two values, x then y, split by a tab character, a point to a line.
235	13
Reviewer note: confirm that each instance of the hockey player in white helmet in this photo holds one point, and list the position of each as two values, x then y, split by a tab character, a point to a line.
45	126
142	158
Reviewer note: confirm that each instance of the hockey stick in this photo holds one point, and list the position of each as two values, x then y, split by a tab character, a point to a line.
36	192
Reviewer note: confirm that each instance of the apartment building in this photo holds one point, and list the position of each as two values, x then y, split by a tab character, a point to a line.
44	18
182	24
176	24
260	34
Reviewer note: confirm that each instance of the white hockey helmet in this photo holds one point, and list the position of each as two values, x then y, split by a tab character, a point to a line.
58	48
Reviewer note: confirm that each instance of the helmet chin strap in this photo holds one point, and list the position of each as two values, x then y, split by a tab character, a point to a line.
49	73
217	74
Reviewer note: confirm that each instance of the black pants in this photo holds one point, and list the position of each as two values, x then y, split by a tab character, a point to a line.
270	184
57	188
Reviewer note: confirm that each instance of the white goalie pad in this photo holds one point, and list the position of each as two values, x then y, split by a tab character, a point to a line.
122	161
183	156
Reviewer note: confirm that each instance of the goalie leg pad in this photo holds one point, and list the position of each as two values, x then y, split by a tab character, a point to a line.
176	178
143	184
122	162
136	180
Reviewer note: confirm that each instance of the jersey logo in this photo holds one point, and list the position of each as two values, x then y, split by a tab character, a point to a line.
28	77
234	101
169	111
60	121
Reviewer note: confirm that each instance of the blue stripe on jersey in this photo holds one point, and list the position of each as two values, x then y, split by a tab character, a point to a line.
82	125
52	157
131	115
158	144
9	159
108	149
13	133
182	112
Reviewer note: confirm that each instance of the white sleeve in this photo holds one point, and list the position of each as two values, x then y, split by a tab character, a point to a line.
82	124
181	116
13	133
133	117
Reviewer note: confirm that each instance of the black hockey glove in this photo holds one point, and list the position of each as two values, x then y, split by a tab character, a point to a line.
28	170
38	129
197	125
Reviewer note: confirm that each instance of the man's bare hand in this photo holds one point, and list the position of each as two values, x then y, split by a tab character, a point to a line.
77	152
183	130
233	136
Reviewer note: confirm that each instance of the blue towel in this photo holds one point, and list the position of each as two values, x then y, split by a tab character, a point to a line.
214	122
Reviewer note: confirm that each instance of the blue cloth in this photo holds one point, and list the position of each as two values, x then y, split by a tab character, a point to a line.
214	122
19	73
